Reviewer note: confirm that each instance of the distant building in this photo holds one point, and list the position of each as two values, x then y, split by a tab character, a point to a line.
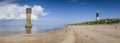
28	18
97	15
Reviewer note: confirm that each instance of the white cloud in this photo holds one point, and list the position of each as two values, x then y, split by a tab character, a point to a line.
4	2
15	11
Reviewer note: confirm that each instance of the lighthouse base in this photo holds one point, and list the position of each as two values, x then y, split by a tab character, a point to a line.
28	26
28	29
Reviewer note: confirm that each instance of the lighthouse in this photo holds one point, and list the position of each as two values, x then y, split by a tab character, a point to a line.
97	15
28	21
28	18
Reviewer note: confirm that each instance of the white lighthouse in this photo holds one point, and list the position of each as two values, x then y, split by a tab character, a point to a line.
97	15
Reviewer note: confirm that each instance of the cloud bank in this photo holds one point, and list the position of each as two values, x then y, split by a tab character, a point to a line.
16	11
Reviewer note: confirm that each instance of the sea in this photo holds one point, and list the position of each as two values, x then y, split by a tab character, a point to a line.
8	28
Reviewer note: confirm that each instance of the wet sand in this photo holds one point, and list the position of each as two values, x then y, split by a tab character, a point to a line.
70	34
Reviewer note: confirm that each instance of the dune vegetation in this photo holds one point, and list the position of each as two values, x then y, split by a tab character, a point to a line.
101	21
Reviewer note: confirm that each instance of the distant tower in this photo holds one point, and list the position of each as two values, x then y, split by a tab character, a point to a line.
28	18
97	15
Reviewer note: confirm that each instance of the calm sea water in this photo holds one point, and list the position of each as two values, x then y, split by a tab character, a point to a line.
7	30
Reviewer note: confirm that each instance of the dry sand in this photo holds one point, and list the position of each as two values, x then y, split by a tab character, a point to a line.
71	34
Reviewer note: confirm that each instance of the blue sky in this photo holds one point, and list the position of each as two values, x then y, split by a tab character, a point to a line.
72	11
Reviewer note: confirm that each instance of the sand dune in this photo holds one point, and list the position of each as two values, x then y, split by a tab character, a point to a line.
71	34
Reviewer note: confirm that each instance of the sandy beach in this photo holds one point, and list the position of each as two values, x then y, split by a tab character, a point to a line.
71	34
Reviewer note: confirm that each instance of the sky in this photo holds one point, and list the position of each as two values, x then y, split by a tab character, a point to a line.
58	12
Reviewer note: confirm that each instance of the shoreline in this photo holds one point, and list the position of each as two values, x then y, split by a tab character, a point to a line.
70	34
